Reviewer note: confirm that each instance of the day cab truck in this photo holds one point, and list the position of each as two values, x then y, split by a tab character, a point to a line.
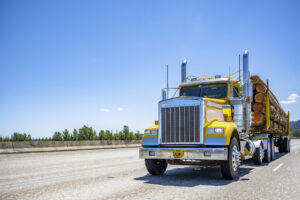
211	123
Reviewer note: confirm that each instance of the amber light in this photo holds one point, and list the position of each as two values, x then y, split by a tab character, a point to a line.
156	122
229	119
248	100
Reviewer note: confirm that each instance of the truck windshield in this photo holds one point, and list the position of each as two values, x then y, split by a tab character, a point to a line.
208	90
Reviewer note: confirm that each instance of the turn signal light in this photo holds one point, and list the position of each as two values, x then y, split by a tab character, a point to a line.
248	100
156	122
229	119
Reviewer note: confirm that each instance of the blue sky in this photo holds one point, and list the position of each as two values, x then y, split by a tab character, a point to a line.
65	64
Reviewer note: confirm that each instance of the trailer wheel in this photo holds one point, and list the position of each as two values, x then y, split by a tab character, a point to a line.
272	148
268	151
155	166
258	155
230	167
286	145
280	145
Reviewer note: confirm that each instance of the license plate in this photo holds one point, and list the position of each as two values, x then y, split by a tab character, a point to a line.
178	153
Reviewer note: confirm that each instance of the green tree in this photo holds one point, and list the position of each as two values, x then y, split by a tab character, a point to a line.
126	132
102	135
87	133
108	135
75	135
66	135
1	139
57	136
138	135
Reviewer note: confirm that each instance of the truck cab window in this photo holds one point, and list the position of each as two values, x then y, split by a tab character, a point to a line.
207	90
235	92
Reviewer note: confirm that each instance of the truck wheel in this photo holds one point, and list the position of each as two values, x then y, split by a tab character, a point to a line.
272	148
286	145
268	151
258	155
280	145
155	166
230	167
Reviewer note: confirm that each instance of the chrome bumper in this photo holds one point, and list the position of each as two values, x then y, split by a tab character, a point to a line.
189	153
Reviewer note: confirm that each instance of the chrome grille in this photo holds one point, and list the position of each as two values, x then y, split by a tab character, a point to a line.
180	125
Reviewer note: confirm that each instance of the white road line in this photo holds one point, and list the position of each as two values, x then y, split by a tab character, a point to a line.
276	168
296	152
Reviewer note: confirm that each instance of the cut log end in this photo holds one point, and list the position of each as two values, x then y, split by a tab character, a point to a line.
258	107
259	98
257	119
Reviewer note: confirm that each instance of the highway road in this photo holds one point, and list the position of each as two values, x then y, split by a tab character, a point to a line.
119	174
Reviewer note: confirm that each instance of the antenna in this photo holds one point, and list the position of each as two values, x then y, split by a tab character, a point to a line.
239	67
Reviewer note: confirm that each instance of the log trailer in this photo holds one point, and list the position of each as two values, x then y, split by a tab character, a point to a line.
216	121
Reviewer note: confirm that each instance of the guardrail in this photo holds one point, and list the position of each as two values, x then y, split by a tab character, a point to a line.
44	146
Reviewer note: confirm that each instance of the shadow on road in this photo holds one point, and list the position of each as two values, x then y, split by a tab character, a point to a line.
192	176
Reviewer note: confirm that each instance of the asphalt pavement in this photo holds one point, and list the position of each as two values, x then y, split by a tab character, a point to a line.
120	174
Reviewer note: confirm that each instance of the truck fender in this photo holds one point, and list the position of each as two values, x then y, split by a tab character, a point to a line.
257	143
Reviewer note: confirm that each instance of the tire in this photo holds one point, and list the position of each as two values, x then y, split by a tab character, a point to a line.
286	145
280	145
272	148
230	167
258	155
268	152
155	166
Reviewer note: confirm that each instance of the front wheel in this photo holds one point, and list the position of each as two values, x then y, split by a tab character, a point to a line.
230	167
155	166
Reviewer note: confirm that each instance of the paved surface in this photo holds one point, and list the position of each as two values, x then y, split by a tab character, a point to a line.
119	174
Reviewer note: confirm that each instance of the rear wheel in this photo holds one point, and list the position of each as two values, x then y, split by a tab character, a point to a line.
258	155
280	145
230	167
155	166
268	151
272	148
286	145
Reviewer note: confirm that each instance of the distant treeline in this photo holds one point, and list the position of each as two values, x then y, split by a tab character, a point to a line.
84	133
295	133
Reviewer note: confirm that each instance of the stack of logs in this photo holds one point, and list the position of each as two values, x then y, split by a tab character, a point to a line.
278	118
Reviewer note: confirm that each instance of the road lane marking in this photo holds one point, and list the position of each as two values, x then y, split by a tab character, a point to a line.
276	168
296	152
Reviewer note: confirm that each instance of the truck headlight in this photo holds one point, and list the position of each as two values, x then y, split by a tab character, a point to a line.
151	132
215	130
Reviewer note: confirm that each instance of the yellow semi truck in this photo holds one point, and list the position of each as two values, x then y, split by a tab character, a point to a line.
209	123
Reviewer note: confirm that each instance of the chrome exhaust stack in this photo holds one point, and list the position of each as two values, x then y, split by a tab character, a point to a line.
183	70
246	93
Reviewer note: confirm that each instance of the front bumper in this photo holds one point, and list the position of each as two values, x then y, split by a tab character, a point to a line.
218	153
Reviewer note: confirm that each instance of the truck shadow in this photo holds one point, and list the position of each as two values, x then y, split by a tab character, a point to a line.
193	176
197	175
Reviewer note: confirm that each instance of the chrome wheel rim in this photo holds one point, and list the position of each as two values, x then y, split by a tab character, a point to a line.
235	158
